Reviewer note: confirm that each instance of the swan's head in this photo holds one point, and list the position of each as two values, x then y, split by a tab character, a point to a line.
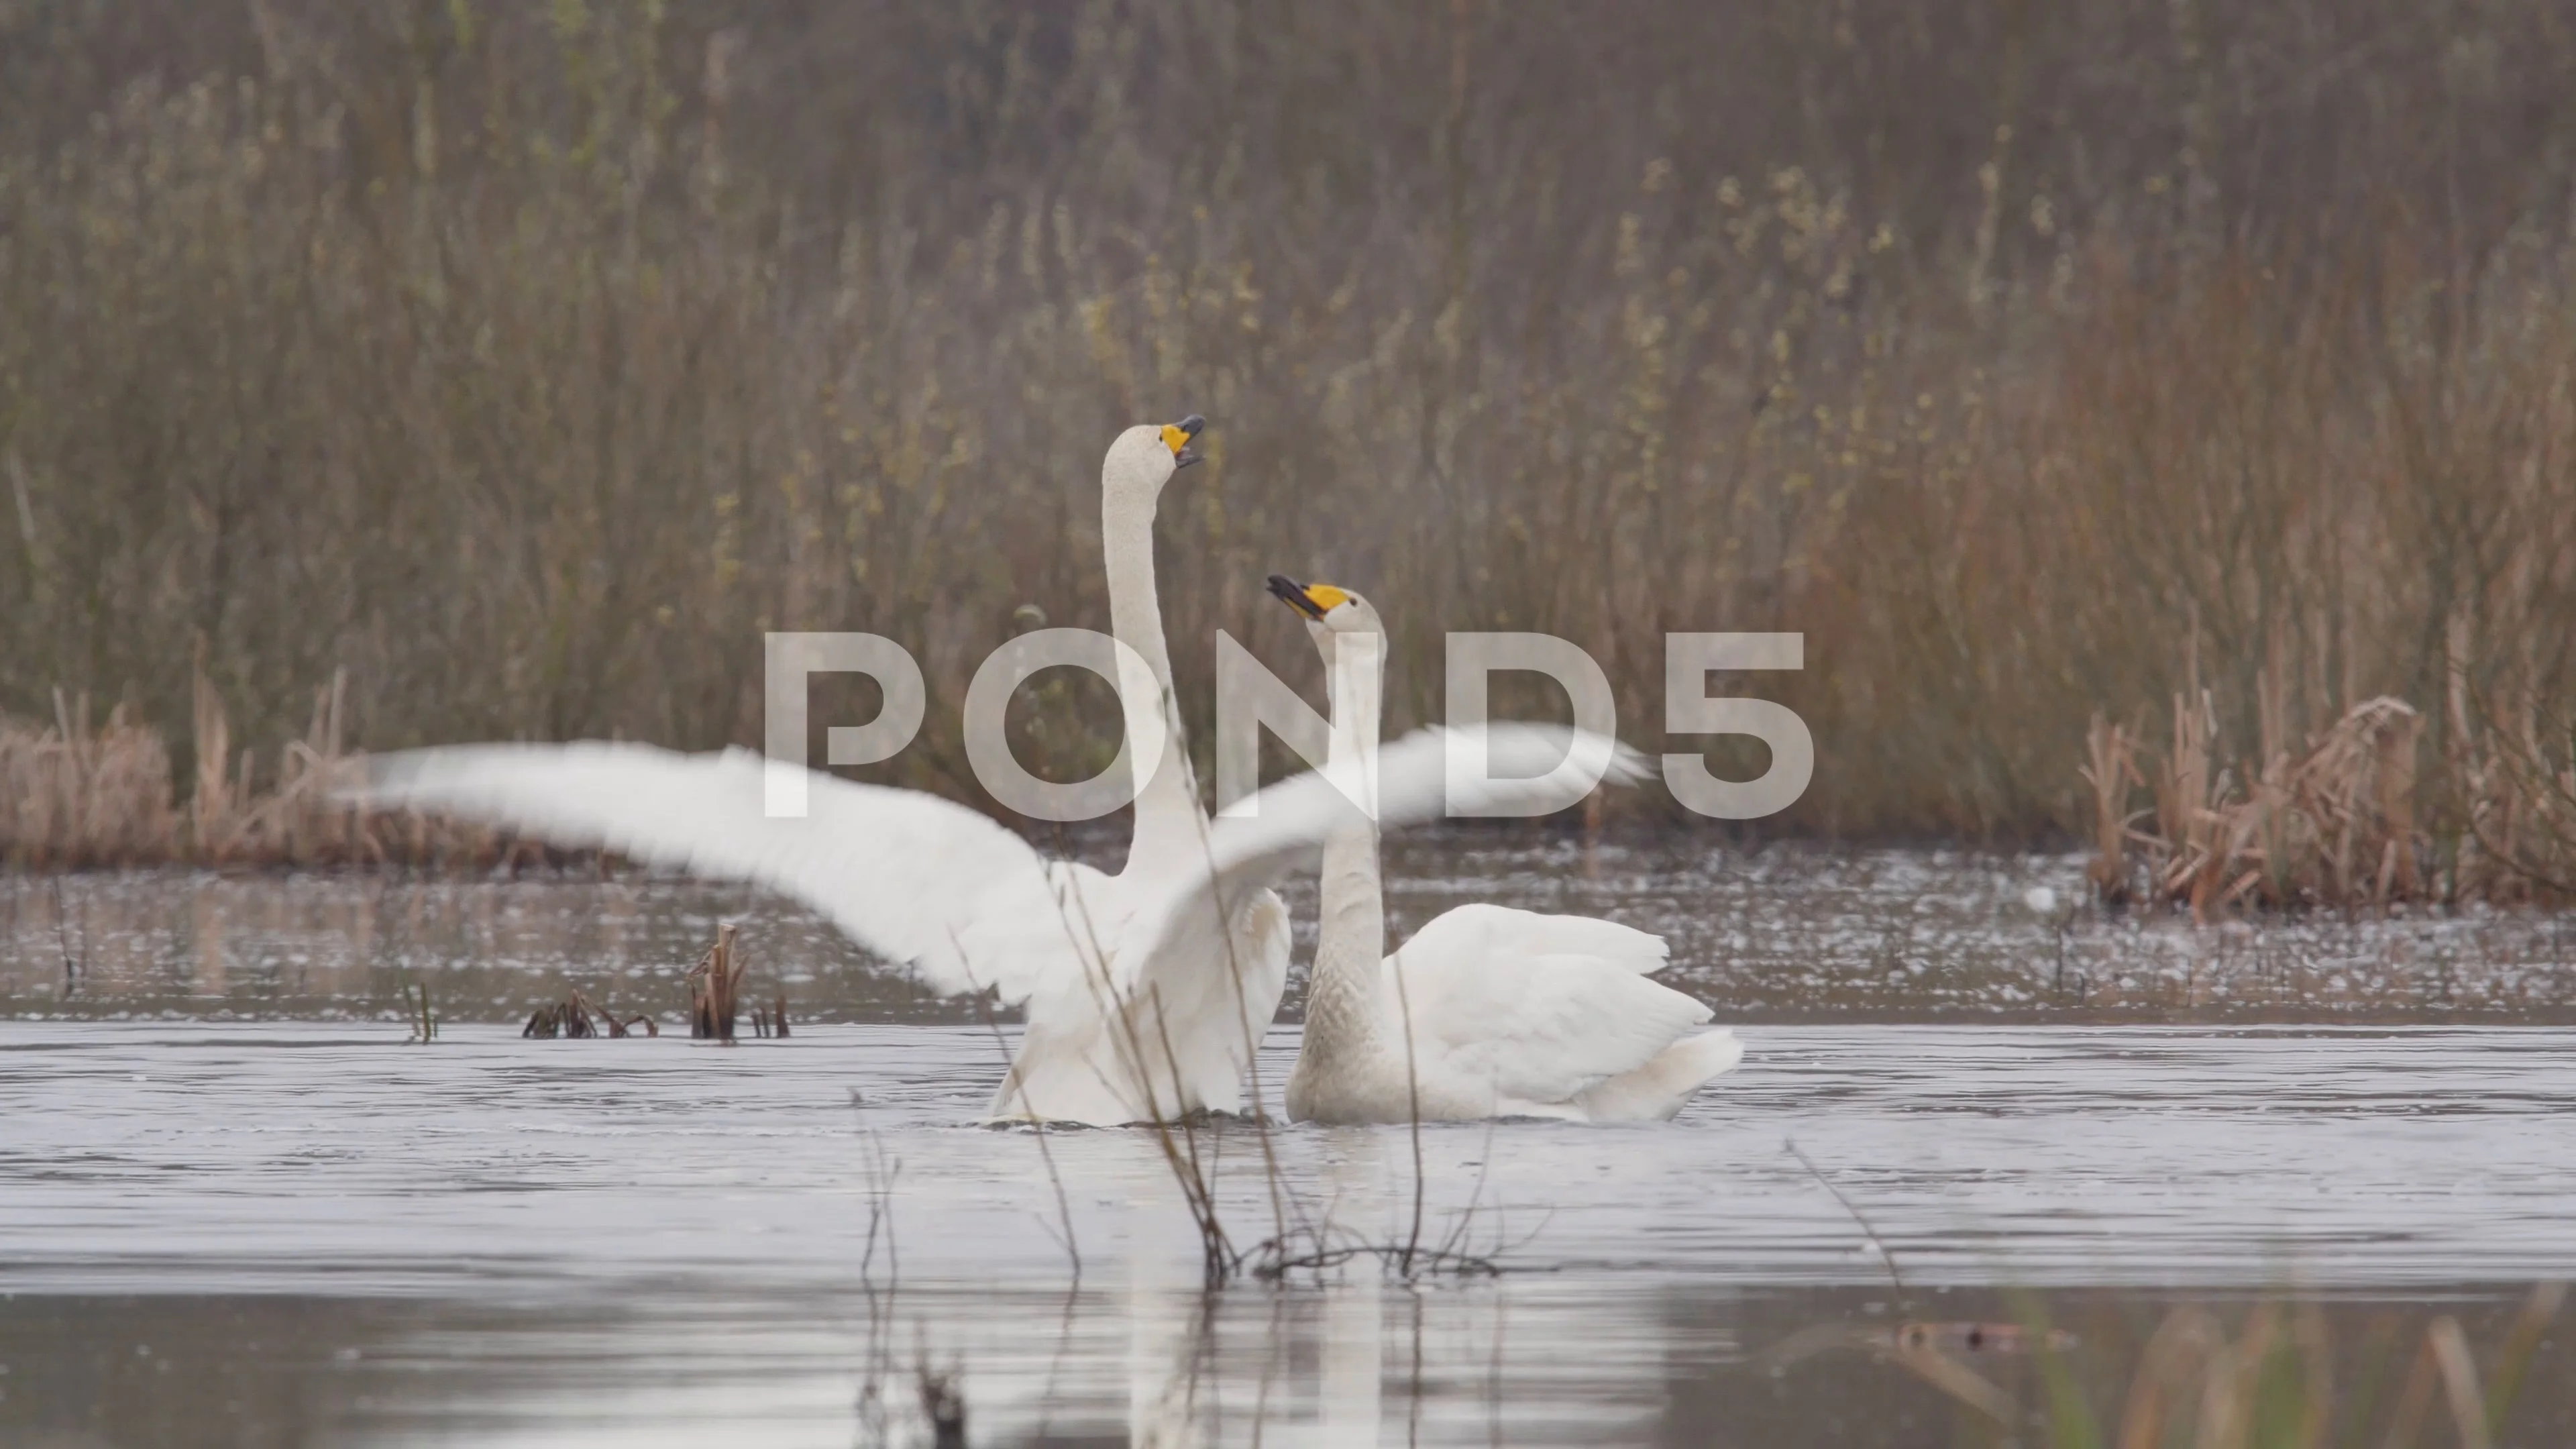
1145	457
1329	611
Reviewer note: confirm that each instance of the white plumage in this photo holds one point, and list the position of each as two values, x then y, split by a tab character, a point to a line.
1126	978
957	899
1145	992
1488	1011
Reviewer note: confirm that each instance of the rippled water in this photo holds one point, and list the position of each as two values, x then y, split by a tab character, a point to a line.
236	1208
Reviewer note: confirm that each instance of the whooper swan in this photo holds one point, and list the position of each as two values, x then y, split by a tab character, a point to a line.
960	900
1512	1013
1143	991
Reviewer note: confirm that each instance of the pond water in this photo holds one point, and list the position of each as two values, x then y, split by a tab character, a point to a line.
236	1206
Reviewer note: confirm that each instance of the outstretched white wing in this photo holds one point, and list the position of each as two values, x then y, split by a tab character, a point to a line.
949	895
1290	821
1285	824
1536	1008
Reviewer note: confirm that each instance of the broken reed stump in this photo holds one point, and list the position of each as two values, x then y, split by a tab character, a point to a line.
712	985
715	992
573	1016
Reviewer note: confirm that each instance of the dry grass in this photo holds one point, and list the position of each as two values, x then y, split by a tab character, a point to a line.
2332	820
73	797
2271	1383
525	363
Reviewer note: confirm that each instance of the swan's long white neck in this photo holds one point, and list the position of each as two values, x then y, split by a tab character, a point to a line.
1350	942
1168	820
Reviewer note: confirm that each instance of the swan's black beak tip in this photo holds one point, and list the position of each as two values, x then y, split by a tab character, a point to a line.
1176	436
1292	593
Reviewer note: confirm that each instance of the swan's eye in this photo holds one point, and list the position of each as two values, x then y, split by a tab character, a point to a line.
1326	598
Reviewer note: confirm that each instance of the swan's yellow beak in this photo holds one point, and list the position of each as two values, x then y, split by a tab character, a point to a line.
1176	436
1312	600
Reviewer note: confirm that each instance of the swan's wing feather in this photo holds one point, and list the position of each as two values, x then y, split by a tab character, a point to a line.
1180	931
1496	1005
951	896
1472	931
1286	823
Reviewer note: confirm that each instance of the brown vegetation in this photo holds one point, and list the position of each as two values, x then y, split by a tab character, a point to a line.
2274	1381
574	1016
2039	363
714	985
2332	820
73	797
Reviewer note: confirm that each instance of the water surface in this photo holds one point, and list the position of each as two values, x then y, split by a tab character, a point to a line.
236	1206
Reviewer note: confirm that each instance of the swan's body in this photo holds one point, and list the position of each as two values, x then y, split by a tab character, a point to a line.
1487	1011
1213	1018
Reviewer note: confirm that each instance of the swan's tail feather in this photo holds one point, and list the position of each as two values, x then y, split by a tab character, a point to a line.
1657	1090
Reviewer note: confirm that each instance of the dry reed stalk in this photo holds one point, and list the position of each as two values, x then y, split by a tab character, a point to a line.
210	812
713	986
2189	792
2111	768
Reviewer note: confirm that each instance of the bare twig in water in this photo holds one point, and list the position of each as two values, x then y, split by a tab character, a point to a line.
1457	1234
574	1016
1413	1113
877	1357
63	942
568	1017
424	1021
883	1172
1877	1243
943	1403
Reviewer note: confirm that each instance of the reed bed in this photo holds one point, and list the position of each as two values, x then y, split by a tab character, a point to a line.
517	366
2332	820
74	797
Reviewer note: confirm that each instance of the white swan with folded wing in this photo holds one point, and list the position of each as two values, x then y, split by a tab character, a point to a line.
1487	1011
